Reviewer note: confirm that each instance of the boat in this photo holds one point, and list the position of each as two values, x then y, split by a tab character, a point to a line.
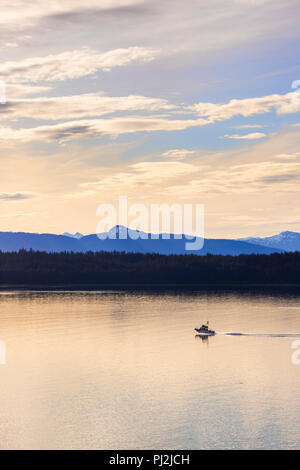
204	330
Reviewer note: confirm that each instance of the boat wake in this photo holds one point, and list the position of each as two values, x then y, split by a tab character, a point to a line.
261	335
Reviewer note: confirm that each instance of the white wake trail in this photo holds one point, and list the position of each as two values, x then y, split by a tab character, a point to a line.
261	335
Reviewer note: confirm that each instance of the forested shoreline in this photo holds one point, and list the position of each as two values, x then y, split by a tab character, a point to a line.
33	267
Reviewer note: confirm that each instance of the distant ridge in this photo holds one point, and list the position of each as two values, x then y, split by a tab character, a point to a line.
15	241
286	241
76	235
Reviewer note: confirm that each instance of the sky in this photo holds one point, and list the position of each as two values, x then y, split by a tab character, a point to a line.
194	102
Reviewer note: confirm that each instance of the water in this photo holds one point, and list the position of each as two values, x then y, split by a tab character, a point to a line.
121	370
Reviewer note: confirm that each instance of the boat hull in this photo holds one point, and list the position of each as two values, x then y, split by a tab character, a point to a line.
205	332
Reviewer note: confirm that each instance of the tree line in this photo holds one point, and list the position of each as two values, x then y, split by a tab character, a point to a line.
34	267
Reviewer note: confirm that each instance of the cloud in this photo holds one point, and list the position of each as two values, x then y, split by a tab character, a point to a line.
287	156
91	105
179	154
252	136
249	126
282	104
142	175
200	29
11	44
78	106
95	128
245	178
30	12
17	91
214	25
72	64
26	214
157	169
16	196
180	180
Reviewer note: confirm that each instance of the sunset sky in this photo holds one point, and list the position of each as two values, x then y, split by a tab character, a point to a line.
159	100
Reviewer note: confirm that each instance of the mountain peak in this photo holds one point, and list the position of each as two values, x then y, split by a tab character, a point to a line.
288	233
287	241
76	235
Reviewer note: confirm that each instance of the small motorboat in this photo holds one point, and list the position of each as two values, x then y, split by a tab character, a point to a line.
204	330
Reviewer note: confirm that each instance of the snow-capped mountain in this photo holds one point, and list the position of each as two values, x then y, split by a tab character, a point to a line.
287	241
76	235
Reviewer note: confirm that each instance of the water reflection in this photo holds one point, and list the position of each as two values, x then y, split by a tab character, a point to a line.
203	338
119	369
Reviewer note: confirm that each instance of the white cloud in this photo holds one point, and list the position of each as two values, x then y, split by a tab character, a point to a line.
29	12
287	156
11	44
96	104
252	136
78	106
237	179
200	27
249	126
179	180
94	128
282	104
17	91
179	154
71	64
143	174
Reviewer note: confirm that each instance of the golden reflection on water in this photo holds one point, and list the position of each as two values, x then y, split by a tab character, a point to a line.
125	370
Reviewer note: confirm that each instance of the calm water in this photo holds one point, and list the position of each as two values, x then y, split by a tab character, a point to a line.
124	370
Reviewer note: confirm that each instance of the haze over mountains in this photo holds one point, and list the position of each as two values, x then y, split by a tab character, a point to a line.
140	242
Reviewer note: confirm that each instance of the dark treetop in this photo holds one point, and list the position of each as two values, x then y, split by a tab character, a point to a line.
33	267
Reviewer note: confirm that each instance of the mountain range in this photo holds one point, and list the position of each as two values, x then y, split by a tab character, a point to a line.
76	235
286	241
145	243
